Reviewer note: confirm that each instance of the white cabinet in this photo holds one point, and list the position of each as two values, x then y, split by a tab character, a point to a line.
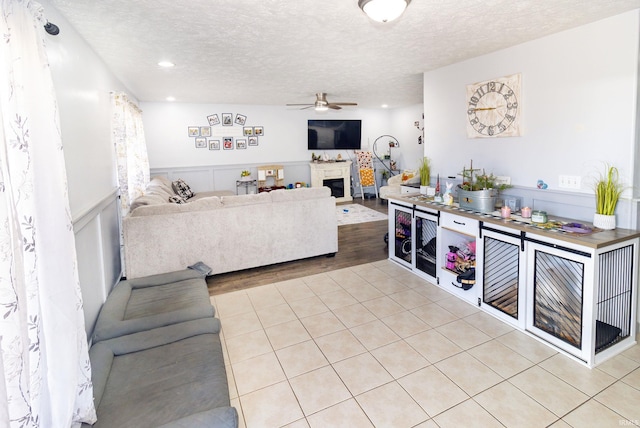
457	253
582	300
576	293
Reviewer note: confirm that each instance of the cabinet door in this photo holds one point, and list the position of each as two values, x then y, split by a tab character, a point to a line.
426	232
400	234
556	297
503	276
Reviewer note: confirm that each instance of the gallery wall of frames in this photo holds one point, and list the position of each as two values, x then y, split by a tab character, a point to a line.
226	132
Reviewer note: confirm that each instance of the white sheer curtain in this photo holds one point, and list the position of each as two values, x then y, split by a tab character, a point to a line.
46	376
131	149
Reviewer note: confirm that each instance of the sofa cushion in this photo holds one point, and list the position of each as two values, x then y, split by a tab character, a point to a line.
282	195
159	376
182	189
153	301
144	200
236	200
204	204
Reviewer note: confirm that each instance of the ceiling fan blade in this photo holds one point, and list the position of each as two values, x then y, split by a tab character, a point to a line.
334	106
307	107
345	104
305	104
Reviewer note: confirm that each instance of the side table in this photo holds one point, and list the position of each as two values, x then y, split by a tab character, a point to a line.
246	184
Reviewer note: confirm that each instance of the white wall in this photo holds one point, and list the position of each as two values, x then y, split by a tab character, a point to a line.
579	93
173	153
284	140
83	85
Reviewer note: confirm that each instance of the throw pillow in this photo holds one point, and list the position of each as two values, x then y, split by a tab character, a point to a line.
177	200
182	189
407	175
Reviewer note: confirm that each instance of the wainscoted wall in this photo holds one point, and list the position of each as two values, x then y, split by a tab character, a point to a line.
97	234
223	177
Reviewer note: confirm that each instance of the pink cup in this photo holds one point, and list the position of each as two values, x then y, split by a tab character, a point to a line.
525	212
505	212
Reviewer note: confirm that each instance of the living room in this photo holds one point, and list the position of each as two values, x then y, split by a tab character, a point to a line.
580	100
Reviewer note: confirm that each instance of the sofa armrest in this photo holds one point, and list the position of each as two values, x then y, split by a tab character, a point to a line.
154	301
163	278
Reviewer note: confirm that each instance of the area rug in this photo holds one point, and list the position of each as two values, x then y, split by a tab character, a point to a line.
354	213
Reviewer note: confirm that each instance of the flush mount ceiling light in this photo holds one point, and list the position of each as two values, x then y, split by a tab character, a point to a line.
383	10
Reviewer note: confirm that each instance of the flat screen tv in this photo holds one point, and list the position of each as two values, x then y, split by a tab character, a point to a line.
334	134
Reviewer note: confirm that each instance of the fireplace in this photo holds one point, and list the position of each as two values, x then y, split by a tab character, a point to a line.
336	185
334	175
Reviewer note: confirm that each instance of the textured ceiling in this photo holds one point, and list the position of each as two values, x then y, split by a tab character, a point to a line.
273	52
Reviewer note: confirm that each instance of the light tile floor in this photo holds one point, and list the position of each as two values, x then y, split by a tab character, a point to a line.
374	345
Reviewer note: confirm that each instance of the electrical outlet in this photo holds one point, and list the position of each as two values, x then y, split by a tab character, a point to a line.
569	181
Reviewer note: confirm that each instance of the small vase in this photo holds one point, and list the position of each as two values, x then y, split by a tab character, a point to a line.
605	222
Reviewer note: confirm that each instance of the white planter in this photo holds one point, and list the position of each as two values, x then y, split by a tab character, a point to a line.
605	222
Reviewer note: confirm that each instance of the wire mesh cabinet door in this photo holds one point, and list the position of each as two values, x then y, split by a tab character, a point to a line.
503	276
560	296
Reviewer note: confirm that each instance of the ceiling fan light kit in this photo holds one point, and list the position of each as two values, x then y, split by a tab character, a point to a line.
321	104
383	10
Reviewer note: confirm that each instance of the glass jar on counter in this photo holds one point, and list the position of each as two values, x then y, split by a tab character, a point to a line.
539	217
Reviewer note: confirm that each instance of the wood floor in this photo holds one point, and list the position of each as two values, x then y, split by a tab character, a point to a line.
357	244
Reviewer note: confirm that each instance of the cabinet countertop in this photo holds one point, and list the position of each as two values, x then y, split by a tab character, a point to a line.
595	240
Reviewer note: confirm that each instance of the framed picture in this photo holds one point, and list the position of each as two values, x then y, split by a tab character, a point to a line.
201	143
227	143
258	130
214	144
227	119
241	143
205	131
247	130
240	119
253	141
194	131
213	120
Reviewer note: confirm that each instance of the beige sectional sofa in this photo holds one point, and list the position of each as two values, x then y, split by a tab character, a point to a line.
230	232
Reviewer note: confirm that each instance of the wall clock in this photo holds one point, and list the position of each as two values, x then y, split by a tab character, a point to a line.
494	108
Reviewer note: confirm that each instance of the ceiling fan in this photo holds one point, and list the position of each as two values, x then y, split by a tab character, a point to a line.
322	104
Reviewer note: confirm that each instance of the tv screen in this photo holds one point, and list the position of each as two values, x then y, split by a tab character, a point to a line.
334	134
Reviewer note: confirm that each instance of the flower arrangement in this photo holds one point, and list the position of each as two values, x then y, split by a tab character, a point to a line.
245	173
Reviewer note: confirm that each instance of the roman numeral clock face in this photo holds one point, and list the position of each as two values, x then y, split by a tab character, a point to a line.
493	108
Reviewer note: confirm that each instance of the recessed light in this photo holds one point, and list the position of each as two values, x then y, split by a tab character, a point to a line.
166	64
171	98
384	106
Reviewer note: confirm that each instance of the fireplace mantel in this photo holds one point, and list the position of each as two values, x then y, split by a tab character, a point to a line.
321	171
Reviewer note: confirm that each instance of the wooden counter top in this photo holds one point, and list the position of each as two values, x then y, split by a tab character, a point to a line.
595	240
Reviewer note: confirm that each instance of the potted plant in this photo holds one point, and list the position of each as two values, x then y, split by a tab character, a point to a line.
245	175
425	174
608	190
478	191
385	176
